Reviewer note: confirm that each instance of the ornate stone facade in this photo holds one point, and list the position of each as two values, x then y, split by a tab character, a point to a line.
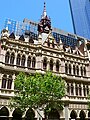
22	53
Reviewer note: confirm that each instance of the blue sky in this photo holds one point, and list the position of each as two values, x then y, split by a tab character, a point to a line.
58	10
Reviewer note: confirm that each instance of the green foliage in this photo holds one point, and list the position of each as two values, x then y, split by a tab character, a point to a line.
37	90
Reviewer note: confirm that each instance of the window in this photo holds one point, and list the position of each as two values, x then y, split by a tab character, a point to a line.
18	59
69	69
9	82
51	64
80	90
74	69
33	62
4	80
81	71
68	90
84	90
45	63
77	70
72	89
7	57
76	87
29	62
84	71
66	68
12	59
57	66
87	90
12	35
23	61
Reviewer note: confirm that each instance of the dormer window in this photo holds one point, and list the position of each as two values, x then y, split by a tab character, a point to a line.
12	35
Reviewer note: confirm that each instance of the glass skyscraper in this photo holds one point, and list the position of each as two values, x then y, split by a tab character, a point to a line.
80	12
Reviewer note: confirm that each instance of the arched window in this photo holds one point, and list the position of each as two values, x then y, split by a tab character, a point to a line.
87	90
30	114
68	88
66	68
18	59
12	58
80	90
72	89
84	71
77	70
81	71
45	63
69	69
4	113
53	115
73	69
51	64
82	115
33	62
84	90
9	82
29	62
76	88
57	66
23	61
17	114
4	81
73	115
7	57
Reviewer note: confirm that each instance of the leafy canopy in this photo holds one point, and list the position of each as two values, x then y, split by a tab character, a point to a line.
37	90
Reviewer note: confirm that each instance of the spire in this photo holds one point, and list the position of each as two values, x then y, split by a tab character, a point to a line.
44	11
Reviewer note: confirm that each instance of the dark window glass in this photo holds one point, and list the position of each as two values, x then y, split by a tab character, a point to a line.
66	69
29	62
68	90
51	64
9	82
33	62
45	64
4	80
72	89
84	90
77	70
87	90
57	66
69	69
76	87
84	71
81	71
18	59
80	90
74	69
12	58
7	57
23	61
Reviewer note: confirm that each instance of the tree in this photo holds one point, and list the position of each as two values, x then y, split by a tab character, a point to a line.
38	90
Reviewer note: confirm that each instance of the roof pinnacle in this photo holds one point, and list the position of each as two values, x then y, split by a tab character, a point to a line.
44	11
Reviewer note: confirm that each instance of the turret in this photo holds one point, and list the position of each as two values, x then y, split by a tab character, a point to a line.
44	25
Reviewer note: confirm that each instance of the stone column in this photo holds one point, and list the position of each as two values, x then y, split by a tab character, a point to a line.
66	112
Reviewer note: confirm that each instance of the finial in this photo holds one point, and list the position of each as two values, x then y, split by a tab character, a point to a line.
44	11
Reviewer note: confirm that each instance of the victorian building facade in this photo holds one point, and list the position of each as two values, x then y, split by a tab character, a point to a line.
65	54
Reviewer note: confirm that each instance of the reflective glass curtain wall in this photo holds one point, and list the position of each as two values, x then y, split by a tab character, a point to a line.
79	13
